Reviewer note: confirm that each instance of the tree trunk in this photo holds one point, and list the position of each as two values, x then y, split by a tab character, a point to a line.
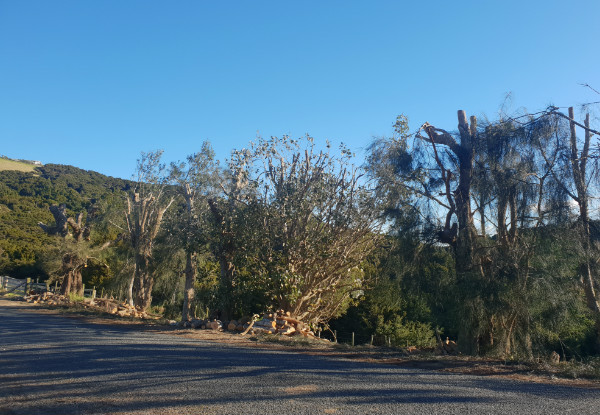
130	287
145	281
227	271
72	281
190	279
65	286
466	229
460	204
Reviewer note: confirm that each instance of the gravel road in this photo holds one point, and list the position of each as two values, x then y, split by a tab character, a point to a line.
51	364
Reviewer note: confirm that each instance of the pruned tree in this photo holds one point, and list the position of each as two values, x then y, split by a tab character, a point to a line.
146	207
72	260
449	178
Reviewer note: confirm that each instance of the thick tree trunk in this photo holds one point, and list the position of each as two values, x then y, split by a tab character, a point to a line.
72	281
466	229
459	201
65	286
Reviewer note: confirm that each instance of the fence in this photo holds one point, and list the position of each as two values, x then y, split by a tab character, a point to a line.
355	338
13	285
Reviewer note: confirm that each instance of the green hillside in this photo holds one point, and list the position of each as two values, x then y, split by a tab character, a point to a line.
24	200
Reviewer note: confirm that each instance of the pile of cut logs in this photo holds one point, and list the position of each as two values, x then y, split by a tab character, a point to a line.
272	323
108	305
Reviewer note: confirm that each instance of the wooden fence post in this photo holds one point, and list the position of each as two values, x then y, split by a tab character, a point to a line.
94	293
352	339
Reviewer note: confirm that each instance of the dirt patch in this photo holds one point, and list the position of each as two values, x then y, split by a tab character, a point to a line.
380	355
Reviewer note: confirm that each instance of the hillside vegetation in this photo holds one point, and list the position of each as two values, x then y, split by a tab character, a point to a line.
487	235
25	198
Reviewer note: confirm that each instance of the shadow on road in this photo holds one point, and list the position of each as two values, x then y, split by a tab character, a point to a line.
50	364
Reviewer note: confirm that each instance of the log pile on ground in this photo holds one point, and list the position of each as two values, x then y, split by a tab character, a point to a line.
107	305
281	323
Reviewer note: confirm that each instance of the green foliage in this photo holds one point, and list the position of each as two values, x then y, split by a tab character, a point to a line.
287	226
24	201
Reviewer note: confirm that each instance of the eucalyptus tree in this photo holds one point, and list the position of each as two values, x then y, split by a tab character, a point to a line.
196	181
230	222
146	206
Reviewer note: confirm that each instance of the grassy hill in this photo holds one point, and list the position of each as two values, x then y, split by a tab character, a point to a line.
7	164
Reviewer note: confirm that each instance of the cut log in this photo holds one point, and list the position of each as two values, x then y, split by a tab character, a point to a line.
248	328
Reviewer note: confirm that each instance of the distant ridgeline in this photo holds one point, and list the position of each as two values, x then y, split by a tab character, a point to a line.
25	197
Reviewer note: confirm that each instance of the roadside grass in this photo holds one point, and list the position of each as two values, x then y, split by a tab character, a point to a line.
291	341
10	296
588	368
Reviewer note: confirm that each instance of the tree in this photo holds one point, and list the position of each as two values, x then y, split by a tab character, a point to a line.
510	187
229	225
575	175
195	180
489	171
72	260
146	207
438	170
317	222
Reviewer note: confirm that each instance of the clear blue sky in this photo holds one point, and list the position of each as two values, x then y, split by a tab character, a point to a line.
93	83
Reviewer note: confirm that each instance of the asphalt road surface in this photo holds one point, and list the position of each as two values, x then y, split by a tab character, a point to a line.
50	364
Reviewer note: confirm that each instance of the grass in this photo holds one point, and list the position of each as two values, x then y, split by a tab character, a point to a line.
588	368
11	296
292	341
6	164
